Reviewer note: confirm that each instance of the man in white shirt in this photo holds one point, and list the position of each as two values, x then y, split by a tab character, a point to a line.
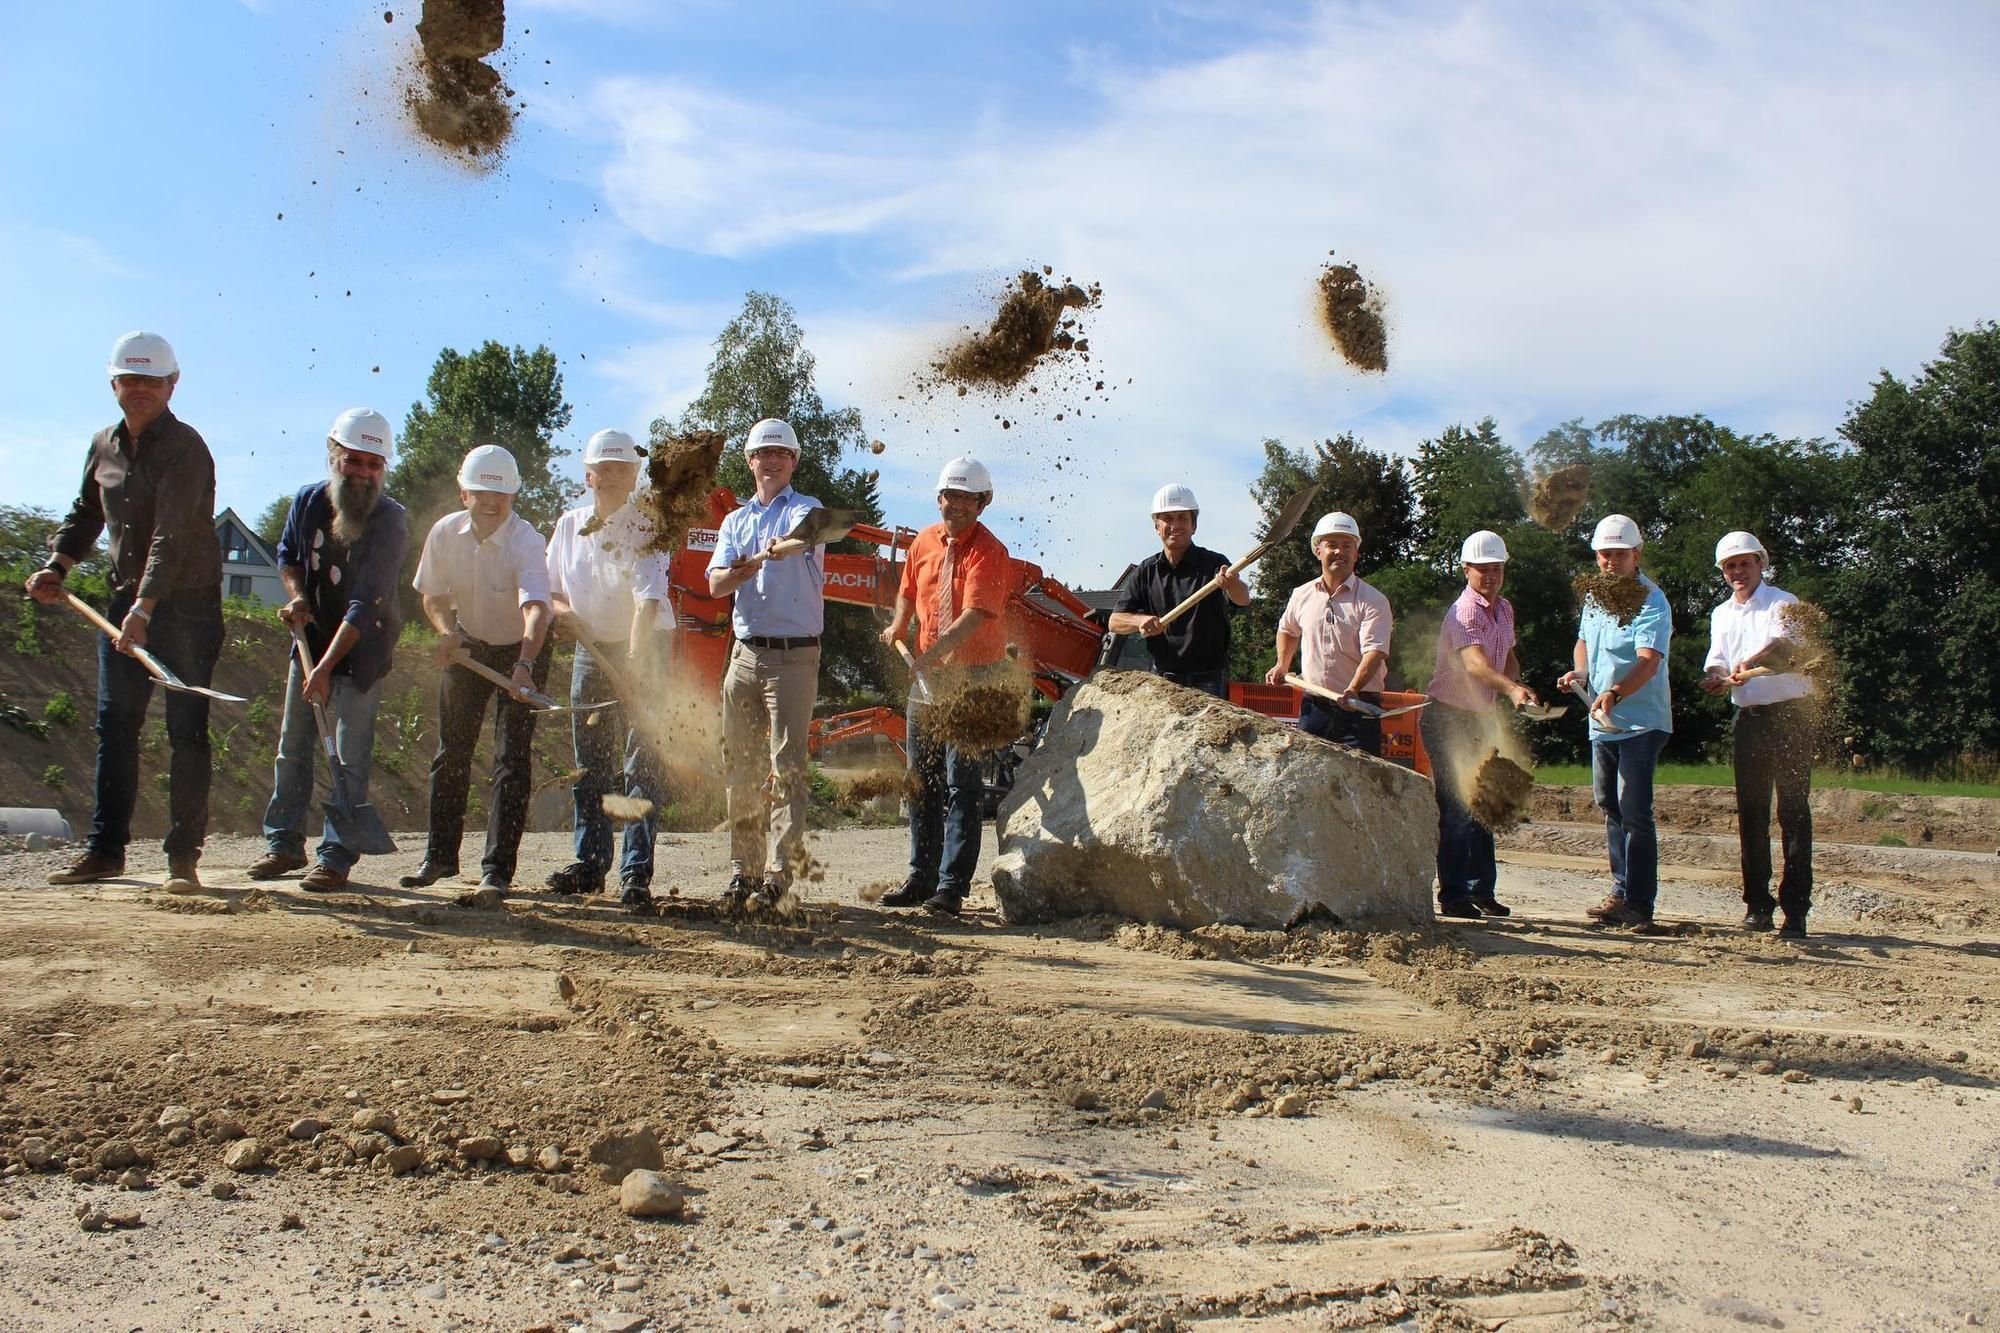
1344	625
485	582
773	676
1773	734
608	590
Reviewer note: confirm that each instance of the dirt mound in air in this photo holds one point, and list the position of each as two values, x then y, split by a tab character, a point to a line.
1352	313
1501	792
680	472
981	709
1032	325
457	100
1560	496
1619	598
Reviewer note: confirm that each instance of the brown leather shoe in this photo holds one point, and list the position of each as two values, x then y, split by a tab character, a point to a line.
323	878
89	869
181	875
273	865
1606	909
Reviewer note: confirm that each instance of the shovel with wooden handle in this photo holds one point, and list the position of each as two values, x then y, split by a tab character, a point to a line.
920	689
154	667
1281	528
537	701
817	528
1604	723
358	828
1352	702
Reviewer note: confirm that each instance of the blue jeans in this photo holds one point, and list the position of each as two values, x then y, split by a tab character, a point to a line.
1343	726
352	713
186	635
612	760
944	810
1467	868
1622	780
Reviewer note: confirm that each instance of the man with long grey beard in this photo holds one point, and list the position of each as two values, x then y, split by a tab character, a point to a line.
340	557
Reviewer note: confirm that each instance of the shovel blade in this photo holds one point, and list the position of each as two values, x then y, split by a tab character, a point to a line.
823	525
359	829
1288	517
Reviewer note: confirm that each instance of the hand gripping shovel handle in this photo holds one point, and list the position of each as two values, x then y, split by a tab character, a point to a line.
1604	723
154	667
542	703
920	689
1281	528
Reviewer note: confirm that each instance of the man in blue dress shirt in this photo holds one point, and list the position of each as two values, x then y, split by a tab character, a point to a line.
772	681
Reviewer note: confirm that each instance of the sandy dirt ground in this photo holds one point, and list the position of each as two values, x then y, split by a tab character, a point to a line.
882	1121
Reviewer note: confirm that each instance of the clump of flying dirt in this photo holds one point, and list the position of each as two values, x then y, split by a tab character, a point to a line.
628	809
459	102
681	473
980	709
1032	325
1501	790
875	782
1619	598
1560	496
1352	313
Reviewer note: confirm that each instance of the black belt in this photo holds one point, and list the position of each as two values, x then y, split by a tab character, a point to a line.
768	641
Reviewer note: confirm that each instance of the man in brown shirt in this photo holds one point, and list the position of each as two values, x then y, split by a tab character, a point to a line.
149	484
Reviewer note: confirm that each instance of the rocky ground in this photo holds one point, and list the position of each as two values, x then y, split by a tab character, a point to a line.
262	1109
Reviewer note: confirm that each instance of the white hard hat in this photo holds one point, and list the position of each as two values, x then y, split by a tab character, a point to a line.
362	429
142	353
966	474
1175	499
1483	548
611	446
1337	522
771	433
1739	543
1615	532
489	468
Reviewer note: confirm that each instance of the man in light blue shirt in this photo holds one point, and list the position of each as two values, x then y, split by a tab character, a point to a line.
1623	664
772	681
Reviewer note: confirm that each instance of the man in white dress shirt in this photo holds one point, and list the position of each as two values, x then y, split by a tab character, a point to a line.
608	588
484	577
1773	734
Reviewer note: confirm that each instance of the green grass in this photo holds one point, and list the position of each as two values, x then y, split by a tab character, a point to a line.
1720	775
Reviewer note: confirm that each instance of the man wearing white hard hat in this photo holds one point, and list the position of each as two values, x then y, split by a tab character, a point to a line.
772	680
1476	668
1773	733
484	577
1194	650
340	557
956	584
149	485
1343	625
1623	666
608	589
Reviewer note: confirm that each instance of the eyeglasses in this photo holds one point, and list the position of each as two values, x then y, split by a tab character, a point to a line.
133	381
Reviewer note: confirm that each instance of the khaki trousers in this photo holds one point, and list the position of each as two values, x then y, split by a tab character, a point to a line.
767	703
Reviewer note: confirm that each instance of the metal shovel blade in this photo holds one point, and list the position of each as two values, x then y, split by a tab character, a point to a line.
169	681
1543	712
359	828
1604	724
1288	517
823	525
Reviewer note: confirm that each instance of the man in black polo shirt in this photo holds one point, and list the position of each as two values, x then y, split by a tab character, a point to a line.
149	482
1194	650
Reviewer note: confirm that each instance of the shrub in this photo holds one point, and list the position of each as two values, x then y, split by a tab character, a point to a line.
53	777
60	709
258	713
27	629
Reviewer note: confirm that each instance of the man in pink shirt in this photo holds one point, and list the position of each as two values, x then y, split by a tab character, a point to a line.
1343	625
1476	667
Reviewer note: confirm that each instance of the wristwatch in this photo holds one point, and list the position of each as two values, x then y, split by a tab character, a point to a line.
525	664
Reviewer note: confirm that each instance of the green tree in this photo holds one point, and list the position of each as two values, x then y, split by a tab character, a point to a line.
493	395
1464	481
271	523
761	368
1917	612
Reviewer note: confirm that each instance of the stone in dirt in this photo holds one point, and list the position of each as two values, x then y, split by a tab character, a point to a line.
1352	315
1159	803
176	1117
116	1155
305	1129
480	1148
620	1152
245	1155
36	1154
649	1194
402	1159
222	1189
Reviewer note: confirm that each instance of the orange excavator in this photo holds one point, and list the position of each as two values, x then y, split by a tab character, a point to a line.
1057	632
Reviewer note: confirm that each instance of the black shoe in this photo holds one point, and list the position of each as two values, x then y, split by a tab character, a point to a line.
1459	907
1757	918
914	893
741	890
576	879
1492	907
1628	915
492	880
429	873
1793	929
637	898
944	903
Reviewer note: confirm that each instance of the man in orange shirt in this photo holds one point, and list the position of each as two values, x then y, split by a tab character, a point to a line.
956	583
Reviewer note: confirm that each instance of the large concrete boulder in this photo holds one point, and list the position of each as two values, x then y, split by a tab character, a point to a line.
1160	803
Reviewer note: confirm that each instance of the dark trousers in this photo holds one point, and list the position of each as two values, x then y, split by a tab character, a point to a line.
944	810
1467	867
1622	781
1774	746
461	704
186	635
1343	726
1208	682
611	760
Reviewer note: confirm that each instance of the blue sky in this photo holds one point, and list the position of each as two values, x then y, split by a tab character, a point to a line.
1747	211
